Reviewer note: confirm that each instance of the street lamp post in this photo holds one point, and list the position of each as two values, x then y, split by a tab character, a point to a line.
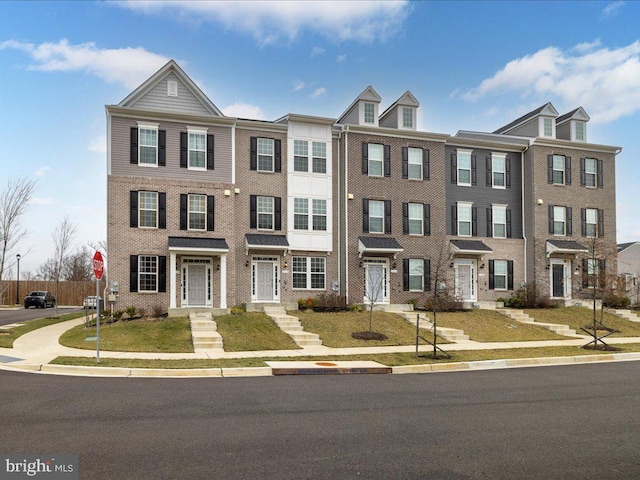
18	281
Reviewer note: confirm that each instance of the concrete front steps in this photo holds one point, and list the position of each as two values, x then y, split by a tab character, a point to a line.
204	332
291	326
520	316
449	334
623	313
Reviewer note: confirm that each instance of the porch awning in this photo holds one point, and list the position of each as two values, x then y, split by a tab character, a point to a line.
256	241
565	246
378	245
469	247
198	245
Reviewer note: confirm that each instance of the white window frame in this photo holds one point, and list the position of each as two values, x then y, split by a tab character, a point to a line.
193	133
468	207
377	203
416	265
580	134
591	212
372	113
190	210
591	174
262	211
300	213
503	274
466	155
563	170
319	157
373	159
416	218
150	127
563	213
547	127
313	267
265	155
318	212
408	119
415	159
502	210
495	159
300	153
142	194
152	273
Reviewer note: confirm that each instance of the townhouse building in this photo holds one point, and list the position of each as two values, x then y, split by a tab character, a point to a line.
209	211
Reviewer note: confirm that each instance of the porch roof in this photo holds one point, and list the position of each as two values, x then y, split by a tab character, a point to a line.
259	241
378	245
565	246
198	244
469	247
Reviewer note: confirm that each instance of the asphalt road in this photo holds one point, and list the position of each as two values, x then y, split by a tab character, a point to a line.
569	422
24	314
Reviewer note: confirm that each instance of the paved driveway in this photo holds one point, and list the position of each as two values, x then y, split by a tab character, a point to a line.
18	315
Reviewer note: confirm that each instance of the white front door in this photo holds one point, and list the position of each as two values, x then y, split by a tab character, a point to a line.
465	280
196	282
197	285
265	279
376	281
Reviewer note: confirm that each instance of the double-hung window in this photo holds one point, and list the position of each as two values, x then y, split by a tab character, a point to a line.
300	214
197	207
148	209
558	175
407	117
415	163
499	219
265	213
580	135
376	216
265	155
500	274
197	150
300	156
548	127
591	221
559	220
464	219
319	159
147	273
319	214
464	168
376	158
416	219
590	166
416	274
369	113
498	170
148	146
309	273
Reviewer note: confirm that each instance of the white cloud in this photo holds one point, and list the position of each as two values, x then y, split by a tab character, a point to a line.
276	22
587	46
318	92
244	110
606	82
126	66
317	51
341	58
98	144
40	201
612	9
41	172
298	85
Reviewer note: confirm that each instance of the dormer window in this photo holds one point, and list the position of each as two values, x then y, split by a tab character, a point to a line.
407	117
369	113
547	124
580	131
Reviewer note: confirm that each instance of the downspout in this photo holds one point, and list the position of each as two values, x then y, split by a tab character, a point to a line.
346	211
524	228
339	216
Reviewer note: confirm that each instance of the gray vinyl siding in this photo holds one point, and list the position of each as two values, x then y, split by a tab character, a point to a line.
564	131
185	102
390	120
483	196
120	153
528	129
352	117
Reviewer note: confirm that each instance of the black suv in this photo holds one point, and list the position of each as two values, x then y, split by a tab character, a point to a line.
39	300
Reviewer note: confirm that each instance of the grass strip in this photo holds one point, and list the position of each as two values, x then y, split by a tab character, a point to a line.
576	317
252	331
7	337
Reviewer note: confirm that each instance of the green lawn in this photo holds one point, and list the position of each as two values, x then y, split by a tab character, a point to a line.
491	326
251	331
335	329
577	317
7	337
146	335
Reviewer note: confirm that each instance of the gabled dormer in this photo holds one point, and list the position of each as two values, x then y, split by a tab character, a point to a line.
402	113
171	90
573	125
363	110
537	123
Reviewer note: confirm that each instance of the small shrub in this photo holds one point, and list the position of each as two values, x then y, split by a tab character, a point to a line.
329	302
156	311
527	297
130	311
414	302
117	315
142	312
237	310
355	308
306	303
446	303
612	300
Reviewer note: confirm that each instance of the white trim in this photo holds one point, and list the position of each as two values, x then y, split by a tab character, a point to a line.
566	272
464	204
275	262
502	156
386	297
473	281
466	152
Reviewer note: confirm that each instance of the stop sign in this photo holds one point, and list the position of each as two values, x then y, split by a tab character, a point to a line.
98	265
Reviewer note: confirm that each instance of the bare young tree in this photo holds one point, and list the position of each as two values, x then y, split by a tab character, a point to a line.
439	286
62	237
14	202
78	266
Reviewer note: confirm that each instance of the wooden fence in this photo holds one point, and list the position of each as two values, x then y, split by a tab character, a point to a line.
68	293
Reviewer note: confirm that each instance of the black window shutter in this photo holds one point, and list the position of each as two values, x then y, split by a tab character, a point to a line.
427	275
134	146
277	207
184	149
427	219
210	152
508	223
474	221
253	211
387	160
602	272
454	168
184	198
507	166
162	148
491	275
583	172
425	164
405	218
365	215
489	180
489	222
162	210
569	221
211	204
600	181
551	219
567	170
405	162
454	219
600	222
549	168
510	274
585	273
365	158
405	274
474	176
162	273
277	147
387	216
133	273
133	209
583	221
253	154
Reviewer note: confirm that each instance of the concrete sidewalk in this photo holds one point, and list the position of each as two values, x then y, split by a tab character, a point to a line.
34	350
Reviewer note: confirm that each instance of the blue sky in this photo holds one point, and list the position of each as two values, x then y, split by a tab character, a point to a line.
472	65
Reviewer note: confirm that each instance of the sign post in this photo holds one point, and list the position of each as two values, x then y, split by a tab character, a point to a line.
98	271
